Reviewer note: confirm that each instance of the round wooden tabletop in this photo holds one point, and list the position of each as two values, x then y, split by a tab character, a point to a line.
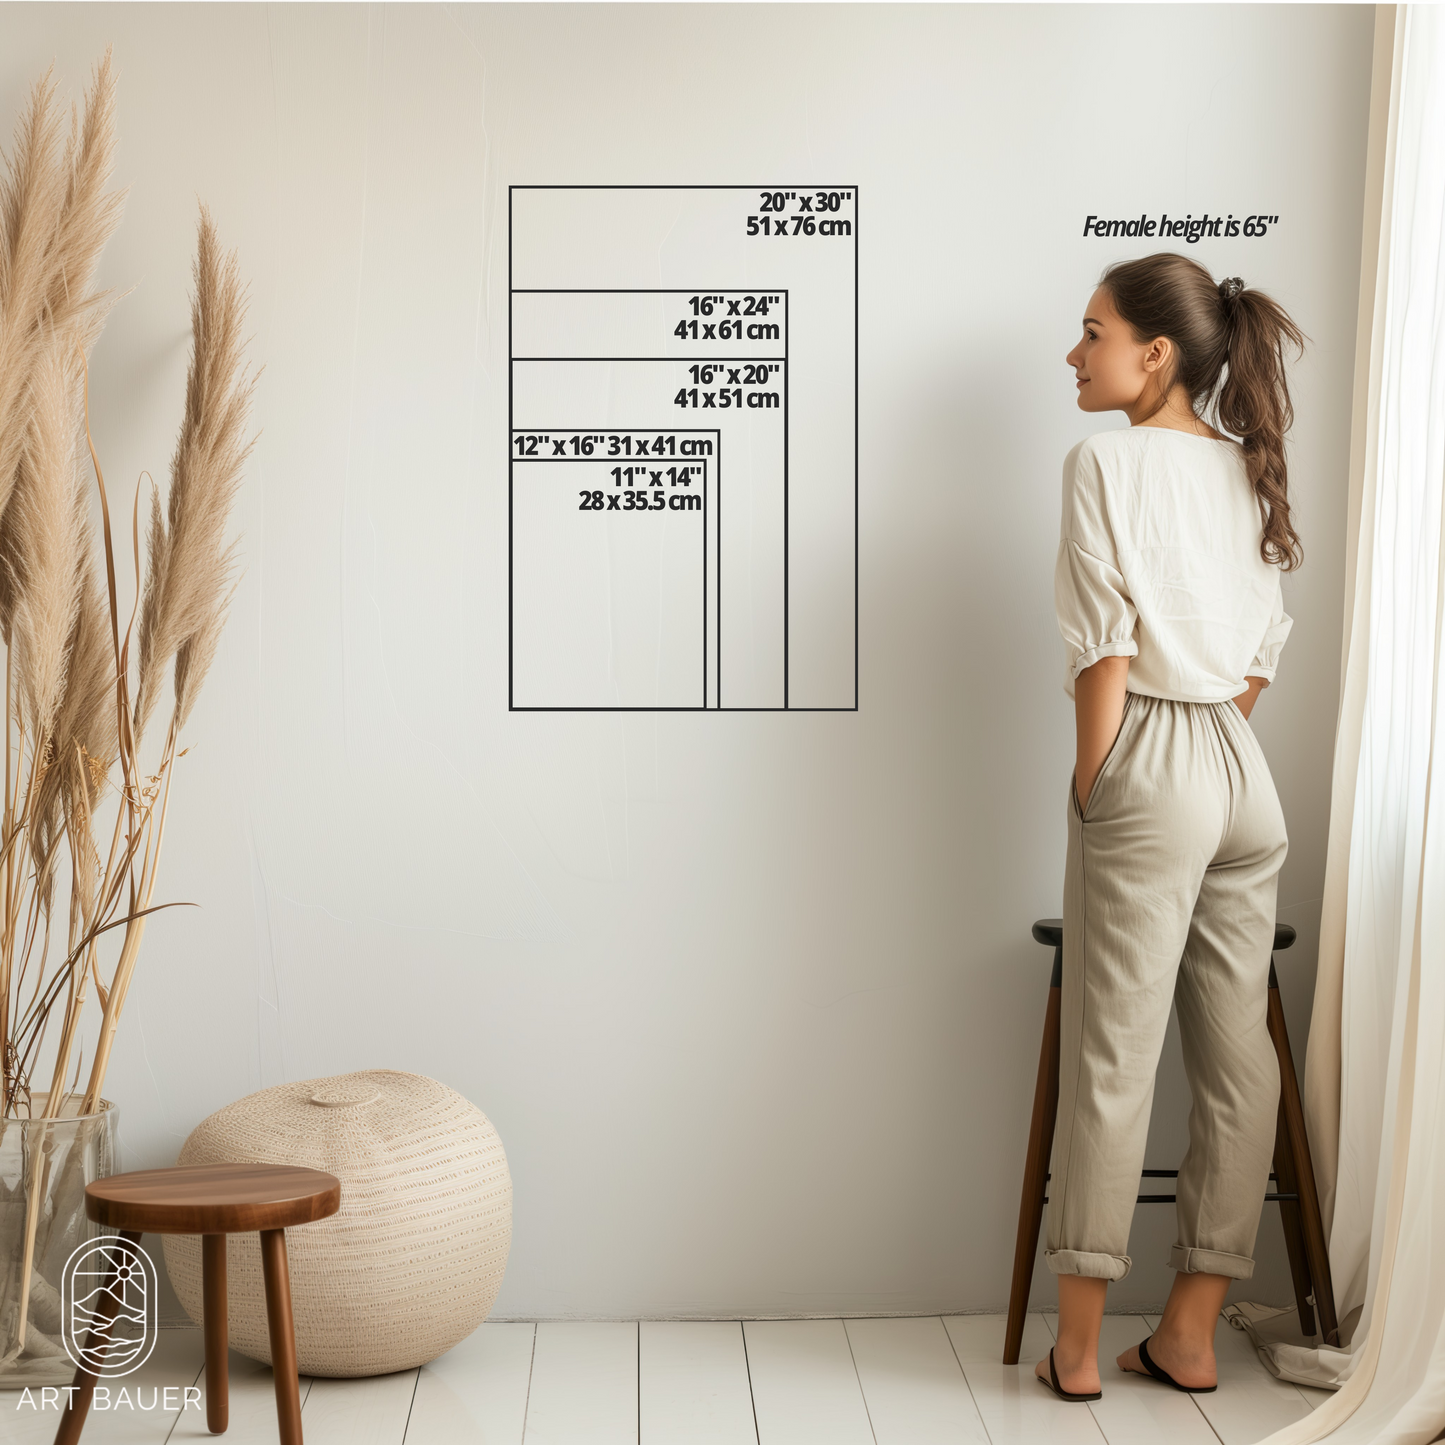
213	1198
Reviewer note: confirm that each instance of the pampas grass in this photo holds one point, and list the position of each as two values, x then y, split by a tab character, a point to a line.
190	568
55	219
42	535
77	703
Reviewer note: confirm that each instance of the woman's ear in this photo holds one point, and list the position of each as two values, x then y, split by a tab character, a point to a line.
1157	353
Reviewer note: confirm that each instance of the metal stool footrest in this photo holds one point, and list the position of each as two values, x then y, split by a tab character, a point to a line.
1270	1198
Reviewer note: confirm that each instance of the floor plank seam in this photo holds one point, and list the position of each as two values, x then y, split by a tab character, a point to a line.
752	1400
411	1405
195	1379
1208	1421
862	1393
531	1366
968	1384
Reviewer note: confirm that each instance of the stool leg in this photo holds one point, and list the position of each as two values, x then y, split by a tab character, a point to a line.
82	1387
213	1286
283	1335
1289	1218
1036	1174
1299	1147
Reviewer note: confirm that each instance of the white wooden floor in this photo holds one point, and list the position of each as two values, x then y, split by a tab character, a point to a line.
785	1382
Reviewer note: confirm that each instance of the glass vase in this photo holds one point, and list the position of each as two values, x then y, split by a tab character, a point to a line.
45	1165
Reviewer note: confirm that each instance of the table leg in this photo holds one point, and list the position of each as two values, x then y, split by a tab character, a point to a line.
213	1286
283	1335
82	1387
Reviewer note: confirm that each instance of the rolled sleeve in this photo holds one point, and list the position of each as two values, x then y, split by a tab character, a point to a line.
1266	657
1096	615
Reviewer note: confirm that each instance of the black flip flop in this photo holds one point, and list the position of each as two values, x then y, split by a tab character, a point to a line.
1165	1378
1053	1383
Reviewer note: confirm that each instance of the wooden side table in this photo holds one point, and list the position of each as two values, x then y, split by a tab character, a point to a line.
214	1200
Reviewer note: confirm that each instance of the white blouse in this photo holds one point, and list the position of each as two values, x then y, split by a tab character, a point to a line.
1159	561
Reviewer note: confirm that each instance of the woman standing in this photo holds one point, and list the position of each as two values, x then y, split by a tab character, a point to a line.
1168	594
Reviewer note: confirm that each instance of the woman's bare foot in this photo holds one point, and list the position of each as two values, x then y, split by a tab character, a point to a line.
1188	1362
1183	1345
1079	1375
1076	1349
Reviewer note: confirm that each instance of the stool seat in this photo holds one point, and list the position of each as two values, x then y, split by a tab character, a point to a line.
213	1198
1050	931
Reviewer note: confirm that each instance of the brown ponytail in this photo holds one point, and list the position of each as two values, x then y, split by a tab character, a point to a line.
1222	330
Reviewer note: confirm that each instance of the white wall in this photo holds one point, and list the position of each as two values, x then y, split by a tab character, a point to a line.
751	999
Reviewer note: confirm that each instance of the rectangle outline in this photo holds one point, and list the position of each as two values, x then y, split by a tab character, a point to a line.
709	518
511	427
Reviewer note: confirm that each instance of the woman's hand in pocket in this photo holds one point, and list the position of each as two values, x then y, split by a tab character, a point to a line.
1246	700
1099	693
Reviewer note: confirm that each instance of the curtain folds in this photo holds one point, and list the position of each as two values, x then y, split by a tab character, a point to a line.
1375	1078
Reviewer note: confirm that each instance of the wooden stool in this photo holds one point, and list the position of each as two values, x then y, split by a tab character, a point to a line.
1304	1233
214	1200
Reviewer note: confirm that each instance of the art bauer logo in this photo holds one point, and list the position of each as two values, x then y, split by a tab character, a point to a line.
109	1318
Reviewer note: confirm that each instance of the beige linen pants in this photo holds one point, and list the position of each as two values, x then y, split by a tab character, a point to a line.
1169	895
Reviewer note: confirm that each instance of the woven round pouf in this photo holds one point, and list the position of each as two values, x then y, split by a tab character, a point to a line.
410	1264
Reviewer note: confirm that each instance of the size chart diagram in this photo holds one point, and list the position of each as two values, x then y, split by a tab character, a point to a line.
683	470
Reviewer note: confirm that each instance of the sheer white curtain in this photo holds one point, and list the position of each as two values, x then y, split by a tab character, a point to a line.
1375	1084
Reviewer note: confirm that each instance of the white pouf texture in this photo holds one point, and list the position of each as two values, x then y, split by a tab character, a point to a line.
411	1262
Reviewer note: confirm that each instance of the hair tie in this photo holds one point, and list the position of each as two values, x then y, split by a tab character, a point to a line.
1230	287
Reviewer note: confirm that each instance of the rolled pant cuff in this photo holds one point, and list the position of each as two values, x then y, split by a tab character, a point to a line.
1090	1266
1209	1261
